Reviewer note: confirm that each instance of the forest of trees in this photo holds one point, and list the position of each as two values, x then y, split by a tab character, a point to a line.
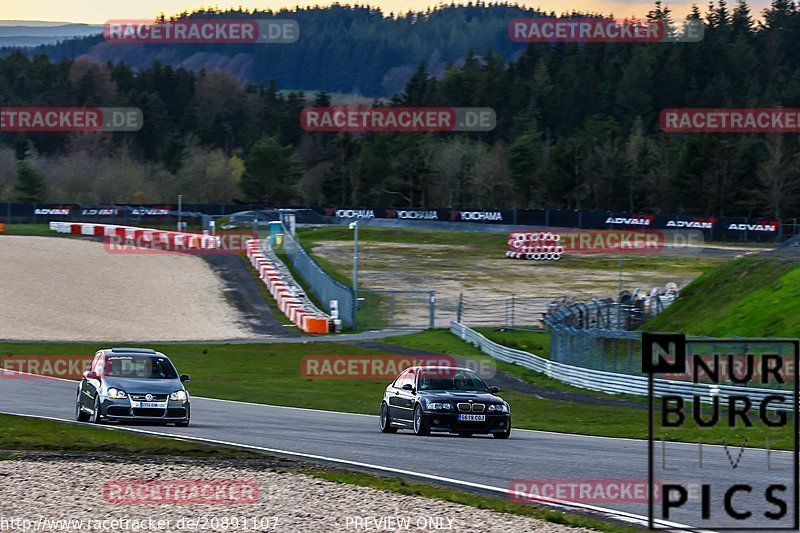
577	129
342	49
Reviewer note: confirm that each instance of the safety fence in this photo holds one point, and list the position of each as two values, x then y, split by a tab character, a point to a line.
598	334
389	308
290	297
610	382
510	312
325	288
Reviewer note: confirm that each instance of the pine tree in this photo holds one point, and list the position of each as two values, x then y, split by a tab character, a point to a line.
29	187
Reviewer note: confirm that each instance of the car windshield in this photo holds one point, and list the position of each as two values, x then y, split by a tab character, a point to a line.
139	366
451	380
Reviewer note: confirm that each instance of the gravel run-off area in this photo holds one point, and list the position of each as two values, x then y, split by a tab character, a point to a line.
46	489
74	289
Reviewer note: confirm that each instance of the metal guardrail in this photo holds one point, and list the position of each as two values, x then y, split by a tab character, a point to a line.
607	382
319	282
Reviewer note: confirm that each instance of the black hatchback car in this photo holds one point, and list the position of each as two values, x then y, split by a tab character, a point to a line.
127	384
445	399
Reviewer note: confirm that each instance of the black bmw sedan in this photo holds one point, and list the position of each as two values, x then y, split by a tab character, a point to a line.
444	399
129	384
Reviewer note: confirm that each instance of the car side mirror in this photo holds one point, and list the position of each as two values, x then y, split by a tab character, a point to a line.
91	374
494	390
184	378
408	386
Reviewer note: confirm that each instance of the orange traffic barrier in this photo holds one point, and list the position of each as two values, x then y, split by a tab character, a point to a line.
2	228
316	325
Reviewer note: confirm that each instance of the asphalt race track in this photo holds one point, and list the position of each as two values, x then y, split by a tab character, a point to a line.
490	463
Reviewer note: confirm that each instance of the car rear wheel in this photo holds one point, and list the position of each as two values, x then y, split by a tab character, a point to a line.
80	414
95	416
420	424
386	424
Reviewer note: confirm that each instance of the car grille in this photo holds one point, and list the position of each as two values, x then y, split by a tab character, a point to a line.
116	410
156	397
177	412
474	407
152	413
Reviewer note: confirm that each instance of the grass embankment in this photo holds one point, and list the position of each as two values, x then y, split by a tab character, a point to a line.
272	374
753	296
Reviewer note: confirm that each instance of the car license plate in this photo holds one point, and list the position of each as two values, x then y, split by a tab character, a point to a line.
149	405
472	418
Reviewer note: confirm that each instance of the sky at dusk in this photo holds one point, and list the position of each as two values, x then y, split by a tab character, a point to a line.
99	11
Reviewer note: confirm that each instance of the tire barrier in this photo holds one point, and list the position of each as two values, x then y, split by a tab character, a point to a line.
290	297
535	246
176	240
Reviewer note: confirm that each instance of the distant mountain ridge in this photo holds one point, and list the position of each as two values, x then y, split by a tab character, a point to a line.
35	33
343	49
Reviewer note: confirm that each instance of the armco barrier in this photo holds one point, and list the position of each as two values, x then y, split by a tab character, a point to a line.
607	382
291	299
173	239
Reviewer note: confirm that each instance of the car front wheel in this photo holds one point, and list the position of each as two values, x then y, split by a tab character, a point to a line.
80	414
505	434
420	424
184	423
386	423
95	416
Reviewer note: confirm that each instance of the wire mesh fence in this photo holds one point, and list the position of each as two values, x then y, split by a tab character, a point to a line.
379	309
324	288
511	312
599	334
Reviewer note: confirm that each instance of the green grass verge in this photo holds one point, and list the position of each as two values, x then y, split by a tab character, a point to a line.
756	295
412	488
27	229
23	433
536	342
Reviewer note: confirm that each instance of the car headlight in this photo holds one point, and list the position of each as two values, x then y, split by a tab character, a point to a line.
178	395
440	406
503	408
116	394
